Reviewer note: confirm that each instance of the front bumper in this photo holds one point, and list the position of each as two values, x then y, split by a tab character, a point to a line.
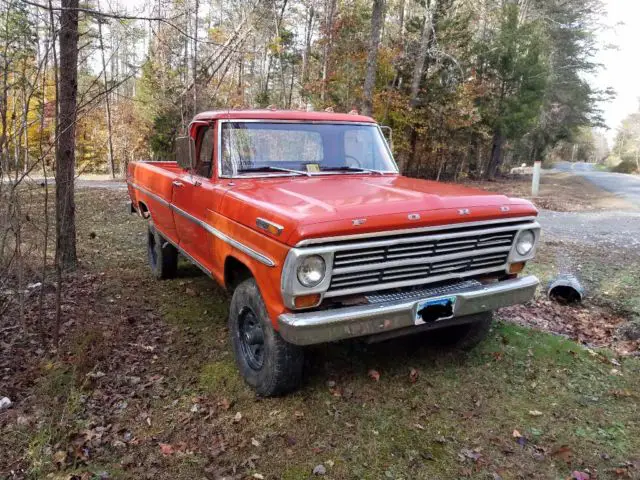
364	320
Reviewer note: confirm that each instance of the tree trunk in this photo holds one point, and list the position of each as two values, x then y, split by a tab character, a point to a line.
377	19
306	54
401	15
423	51
195	58
419	69
496	155
107	105
330	13
65	152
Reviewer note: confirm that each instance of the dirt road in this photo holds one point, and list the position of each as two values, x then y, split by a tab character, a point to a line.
614	228
626	186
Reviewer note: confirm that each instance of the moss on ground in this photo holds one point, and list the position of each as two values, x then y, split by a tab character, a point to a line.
220	377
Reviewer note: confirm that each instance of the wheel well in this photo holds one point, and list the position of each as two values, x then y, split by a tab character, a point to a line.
235	272
143	209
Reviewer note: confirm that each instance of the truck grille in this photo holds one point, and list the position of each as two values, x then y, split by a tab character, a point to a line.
406	259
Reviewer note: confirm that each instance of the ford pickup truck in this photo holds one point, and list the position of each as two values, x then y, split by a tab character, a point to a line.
305	219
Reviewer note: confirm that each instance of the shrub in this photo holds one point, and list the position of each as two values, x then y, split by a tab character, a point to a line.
626	166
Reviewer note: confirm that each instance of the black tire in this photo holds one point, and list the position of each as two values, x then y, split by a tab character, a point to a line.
270	365
163	257
468	335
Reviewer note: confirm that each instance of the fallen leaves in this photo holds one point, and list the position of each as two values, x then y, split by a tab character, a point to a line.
520	439
588	324
225	404
237	417
564	453
166	449
580	476
319	470
468	454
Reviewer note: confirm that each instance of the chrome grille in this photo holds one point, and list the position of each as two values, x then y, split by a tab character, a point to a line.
409	258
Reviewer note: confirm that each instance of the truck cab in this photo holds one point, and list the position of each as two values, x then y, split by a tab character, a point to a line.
305	218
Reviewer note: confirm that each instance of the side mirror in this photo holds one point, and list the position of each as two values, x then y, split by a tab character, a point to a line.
185	152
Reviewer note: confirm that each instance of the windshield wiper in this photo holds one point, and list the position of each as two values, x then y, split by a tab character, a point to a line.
347	168
268	168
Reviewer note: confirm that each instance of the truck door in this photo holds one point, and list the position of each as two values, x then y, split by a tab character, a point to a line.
194	193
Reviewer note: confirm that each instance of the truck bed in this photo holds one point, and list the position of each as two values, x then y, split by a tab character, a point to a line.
150	188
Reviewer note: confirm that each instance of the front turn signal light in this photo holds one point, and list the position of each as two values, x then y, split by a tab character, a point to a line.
516	267
306	301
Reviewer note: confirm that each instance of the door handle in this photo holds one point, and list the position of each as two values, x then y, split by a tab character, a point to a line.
177	183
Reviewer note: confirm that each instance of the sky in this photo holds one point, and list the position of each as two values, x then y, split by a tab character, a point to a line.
621	66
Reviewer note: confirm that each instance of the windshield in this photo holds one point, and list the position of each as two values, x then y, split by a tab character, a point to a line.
302	148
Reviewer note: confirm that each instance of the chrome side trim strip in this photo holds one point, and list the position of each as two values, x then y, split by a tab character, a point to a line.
156	197
313	241
225	238
186	255
212	230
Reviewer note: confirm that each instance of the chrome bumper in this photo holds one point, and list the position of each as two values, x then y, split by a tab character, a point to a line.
363	320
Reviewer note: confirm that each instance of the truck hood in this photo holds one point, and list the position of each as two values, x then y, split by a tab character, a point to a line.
330	205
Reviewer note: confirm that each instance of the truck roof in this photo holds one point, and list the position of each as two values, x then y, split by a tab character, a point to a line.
294	115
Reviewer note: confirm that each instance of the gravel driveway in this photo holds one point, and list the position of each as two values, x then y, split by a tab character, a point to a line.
620	229
607	229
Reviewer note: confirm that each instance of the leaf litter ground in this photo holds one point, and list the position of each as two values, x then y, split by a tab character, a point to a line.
144	386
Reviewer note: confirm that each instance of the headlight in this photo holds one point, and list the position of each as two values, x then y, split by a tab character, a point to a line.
311	270
525	242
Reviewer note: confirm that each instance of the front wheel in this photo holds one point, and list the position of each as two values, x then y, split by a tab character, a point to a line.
468	335
270	365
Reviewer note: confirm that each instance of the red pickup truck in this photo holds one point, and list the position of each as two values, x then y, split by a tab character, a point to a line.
305	219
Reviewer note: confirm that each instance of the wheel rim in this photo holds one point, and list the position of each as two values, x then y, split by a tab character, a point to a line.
153	255
251	338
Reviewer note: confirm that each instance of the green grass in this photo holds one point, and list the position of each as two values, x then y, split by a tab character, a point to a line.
359	429
396	429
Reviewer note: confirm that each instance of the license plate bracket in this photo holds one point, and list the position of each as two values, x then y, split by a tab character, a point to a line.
435	309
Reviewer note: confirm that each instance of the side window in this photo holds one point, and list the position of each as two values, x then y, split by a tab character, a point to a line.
205	152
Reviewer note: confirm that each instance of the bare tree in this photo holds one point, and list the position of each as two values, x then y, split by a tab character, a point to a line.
107	103
377	19
306	53
423	51
330	10
195	57
65	152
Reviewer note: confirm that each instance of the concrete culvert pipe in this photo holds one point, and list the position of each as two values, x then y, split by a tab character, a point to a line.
565	288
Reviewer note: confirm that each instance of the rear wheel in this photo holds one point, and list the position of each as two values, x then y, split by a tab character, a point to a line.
468	335
163	257
270	365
